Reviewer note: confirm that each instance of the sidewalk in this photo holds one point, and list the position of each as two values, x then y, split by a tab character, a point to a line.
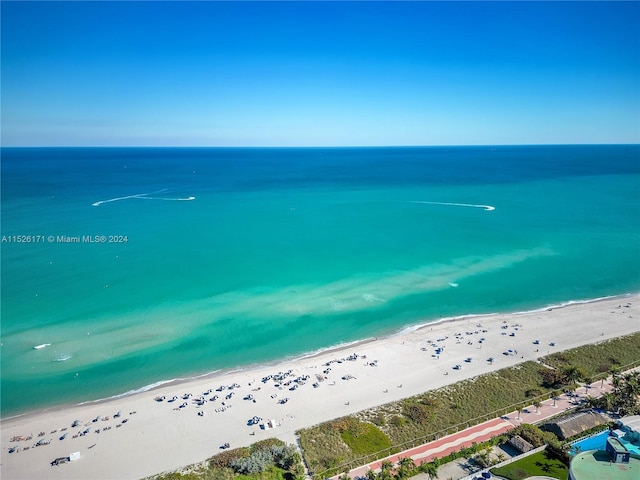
550	408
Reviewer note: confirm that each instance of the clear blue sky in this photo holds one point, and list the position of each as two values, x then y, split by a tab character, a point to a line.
330	73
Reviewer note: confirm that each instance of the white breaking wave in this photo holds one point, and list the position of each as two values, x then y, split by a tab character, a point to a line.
487	208
143	196
152	386
146	388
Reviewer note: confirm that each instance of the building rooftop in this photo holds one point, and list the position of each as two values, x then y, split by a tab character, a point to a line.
632	422
595	465
617	446
574	424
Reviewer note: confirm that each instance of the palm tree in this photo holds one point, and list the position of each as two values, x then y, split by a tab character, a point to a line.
405	465
593	402
615	376
430	469
606	402
627	393
537	404
371	475
632	383
385	470
573	374
483	458
587	384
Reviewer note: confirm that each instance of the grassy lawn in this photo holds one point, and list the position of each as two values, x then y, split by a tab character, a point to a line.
536	464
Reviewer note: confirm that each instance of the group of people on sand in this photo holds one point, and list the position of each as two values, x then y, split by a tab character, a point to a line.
200	401
439	346
63	433
282	380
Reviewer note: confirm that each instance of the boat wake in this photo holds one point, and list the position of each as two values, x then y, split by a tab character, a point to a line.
144	196
185	199
487	208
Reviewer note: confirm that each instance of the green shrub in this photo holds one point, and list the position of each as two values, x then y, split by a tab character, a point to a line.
396	421
417	412
176	476
370	439
263	457
267	442
380	420
224	459
534	435
349	424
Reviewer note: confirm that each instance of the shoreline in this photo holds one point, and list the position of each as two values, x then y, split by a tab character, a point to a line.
309	355
150	435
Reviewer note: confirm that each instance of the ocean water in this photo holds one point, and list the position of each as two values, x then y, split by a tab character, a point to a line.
219	258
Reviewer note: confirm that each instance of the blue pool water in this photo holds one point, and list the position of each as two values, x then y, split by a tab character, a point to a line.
598	442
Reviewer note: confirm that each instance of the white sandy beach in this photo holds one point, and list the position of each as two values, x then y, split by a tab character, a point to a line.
161	436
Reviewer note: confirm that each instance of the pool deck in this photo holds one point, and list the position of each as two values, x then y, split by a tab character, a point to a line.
595	465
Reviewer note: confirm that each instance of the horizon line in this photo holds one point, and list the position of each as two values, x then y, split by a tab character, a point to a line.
325	146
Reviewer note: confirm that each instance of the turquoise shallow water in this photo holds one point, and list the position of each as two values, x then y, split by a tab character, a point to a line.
286	251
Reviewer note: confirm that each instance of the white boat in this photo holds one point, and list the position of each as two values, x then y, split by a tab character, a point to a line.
38	347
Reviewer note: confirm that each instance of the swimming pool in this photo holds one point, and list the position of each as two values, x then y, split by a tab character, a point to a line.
598	442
